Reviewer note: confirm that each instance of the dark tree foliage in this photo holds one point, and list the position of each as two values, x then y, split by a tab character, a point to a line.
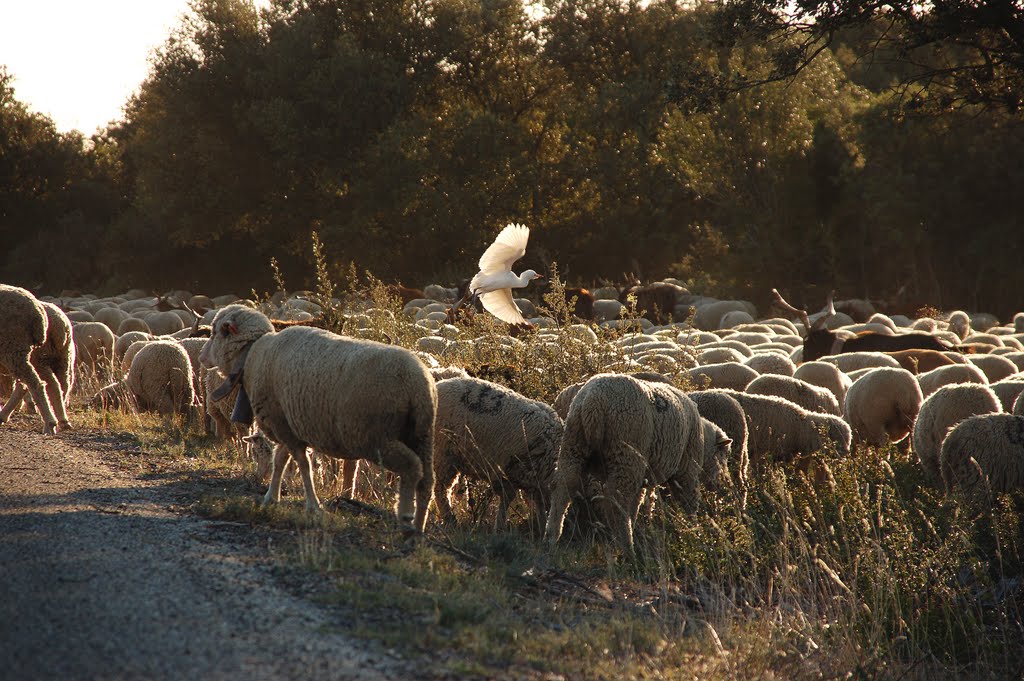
628	135
939	54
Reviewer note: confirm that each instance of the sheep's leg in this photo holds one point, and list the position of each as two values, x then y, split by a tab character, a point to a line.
304	462
412	476
55	393
17	397
506	495
24	372
444	477
281	458
349	476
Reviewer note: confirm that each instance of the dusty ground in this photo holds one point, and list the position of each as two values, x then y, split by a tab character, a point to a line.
105	575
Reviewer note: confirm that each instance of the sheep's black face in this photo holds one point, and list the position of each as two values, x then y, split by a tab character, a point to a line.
818	344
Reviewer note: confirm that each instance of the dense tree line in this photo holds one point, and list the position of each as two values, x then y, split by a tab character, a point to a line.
627	134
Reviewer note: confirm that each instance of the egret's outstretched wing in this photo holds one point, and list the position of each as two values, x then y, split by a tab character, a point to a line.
506	249
500	304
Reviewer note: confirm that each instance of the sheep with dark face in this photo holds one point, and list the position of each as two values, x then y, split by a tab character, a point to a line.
626	434
344	397
24	330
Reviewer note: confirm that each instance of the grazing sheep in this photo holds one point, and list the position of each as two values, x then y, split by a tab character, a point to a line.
486	431
23	330
810	397
132	324
111	317
825	375
1008	390
958	373
125	341
960	324
564	399
780	430
54	360
725	412
984	455
347	398
881	406
94	346
160	377
721	355
946	407
994	367
771	363
442	373
627	434
731	375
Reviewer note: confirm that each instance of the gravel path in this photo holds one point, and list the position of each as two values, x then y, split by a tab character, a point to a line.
102	576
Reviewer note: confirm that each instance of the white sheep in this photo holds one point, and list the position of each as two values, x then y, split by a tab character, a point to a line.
780	430
984	455
771	363
94	346
808	396
725	412
627	434
946	407
54	360
123	342
930	381
960	324
995	367
160	377
346	398
488	432
825	375
881	406
24	327
1008	390
132	324
731	375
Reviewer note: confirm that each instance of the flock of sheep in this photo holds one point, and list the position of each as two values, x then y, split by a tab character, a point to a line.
608	442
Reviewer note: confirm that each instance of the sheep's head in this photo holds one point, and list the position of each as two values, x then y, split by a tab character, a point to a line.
717	447
234	329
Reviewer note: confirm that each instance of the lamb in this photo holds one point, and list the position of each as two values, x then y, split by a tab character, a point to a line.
983	455
725	412
781	430
54	360
931	381
946	407
825	375
347	398
627	434
810	397
160	378
24	329
881	406
486	431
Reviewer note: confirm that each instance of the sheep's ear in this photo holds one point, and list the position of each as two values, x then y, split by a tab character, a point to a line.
228	329
725	442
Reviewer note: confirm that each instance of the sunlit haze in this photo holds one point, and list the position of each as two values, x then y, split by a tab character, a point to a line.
78	61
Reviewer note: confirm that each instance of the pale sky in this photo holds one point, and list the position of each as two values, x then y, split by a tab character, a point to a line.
78	61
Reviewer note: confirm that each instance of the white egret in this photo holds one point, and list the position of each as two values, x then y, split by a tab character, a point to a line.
495	280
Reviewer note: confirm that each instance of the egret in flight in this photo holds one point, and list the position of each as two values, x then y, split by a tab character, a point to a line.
494	282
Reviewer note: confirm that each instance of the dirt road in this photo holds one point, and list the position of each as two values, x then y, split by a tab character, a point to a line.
104	576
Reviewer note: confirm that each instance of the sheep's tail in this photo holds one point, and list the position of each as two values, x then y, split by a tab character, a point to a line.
39	327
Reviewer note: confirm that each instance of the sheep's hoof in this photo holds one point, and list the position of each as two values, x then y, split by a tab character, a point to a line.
65	425
268	499
50	429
